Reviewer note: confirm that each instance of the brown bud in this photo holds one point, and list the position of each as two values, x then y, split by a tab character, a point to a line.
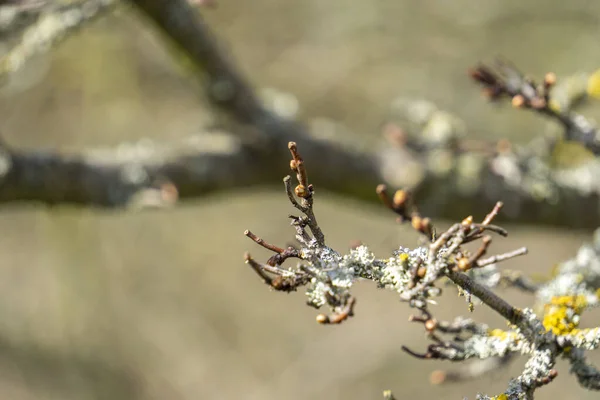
518	101
464	264
300	191
421	271
400	198
467	221
437	377
430	325
354	244
395	135
503	146
417	223
169	193
550	79
322	319
426	225
538	103
293	165
489	92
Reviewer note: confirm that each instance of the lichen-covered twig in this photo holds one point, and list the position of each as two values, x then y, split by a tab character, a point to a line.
304	191
415	275
504	79
587	375
301	197
52	22
133	175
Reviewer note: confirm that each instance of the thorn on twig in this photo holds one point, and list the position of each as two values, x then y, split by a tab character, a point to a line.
258	269
262	243
490	217
281	253
475	230
424	356
502	257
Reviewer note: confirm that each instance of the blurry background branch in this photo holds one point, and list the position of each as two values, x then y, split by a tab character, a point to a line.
29	27
422	148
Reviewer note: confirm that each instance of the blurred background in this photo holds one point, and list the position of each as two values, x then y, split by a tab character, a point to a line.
159	304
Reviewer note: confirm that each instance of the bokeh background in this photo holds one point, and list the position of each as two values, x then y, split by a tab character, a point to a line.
159	304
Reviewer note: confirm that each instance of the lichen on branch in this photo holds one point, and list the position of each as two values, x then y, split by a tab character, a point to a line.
417	275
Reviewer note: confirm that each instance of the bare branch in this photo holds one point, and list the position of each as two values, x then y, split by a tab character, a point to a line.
139	174
340	164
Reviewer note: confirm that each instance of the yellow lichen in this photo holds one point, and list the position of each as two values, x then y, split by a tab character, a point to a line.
577	303
500	334
560	313
593	85
554	105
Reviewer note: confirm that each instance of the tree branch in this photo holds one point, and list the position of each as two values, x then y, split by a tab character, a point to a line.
447	177
139	174
41	24
506	176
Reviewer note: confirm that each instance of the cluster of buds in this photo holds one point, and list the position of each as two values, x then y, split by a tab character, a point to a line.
505	80
401	203
303	189
313	251
415	273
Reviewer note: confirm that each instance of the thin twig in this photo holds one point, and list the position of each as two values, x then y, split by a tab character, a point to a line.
502	257
489	298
